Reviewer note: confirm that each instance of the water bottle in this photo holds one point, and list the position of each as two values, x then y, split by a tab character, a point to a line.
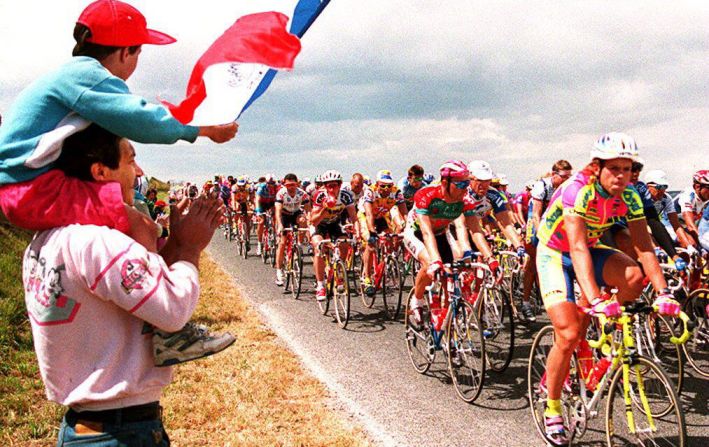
584	355
597	373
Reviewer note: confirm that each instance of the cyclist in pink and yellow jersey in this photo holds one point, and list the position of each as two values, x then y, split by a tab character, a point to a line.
579	212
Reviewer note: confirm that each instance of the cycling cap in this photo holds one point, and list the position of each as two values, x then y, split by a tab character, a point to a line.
481	170
701	177
331	176
615	145
384	176
241	181
118	24
657	177
503	180
428	178
454	169
366	180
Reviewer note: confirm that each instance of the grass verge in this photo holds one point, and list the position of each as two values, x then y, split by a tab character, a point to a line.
253	394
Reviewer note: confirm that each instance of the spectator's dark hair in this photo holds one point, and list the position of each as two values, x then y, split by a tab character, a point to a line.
262	179
291	177
82	149
98	52
151	191
561	165
415	171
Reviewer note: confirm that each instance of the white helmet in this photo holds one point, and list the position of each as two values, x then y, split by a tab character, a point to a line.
615	145
384	176
270	178
331	176
481	170
503	180
657	177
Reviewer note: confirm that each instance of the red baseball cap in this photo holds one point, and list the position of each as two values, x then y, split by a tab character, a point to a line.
118	24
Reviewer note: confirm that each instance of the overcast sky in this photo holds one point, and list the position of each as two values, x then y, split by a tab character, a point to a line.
388	83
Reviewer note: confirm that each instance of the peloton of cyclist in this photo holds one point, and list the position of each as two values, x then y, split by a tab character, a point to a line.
579	212
374	215
264	200
329	203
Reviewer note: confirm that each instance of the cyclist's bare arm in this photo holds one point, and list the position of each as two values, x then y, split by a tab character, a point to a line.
476	232
691	224
537	213
504	219
398	216
581	259
279	211
369	214
461	233
317	215
646	253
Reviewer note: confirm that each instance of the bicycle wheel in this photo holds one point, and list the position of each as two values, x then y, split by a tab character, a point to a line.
368	301
419	344
466	352
652	340
495	315
536	375
341	294
647	387
391	288
697	347
324	305
297	271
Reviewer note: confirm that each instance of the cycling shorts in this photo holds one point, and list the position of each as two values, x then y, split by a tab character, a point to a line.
290	220
530	236
264	207
241	208
331	230
380	224
556	272
413	240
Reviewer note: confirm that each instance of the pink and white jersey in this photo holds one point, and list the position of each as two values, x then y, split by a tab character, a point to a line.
89	291
292	204
688	201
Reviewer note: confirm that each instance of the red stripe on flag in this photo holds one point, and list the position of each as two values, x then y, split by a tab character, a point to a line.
259	38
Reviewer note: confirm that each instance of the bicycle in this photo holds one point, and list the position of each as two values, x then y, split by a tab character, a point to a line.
293	260
268	240
241	235
453	328
512	282
228	224
638	388
337	282
386	276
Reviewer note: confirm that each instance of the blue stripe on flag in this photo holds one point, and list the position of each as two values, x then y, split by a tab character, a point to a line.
305	13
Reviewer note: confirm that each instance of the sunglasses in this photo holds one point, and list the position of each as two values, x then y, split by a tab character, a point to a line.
331	185
384	186
658	187
463	184
417	179
290	185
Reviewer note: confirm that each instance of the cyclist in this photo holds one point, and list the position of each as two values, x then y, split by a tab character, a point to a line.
374	217
356	186
426	234
520	204
489	200
692	201
241	201
264	200
579	212
410	184
329	204
657	185
290	201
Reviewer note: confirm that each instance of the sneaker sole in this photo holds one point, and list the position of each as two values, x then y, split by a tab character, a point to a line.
171	362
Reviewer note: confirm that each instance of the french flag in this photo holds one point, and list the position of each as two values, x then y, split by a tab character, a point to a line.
240	65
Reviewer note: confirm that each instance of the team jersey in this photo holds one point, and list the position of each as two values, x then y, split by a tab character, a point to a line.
582	196
689	201
380	204
241	195
522	200
292	204
664	206
332	213
266	193
542	190
408	191
493	201
356	196
428	201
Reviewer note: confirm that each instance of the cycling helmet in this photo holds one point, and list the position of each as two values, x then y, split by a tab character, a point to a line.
615	145
503	180
481	170
366	180
331	176
384	176
657	177
701	177
270	178
318	178
241	181
454	169
428	178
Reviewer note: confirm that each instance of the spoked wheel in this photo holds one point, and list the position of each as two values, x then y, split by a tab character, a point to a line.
651	394
391	288
324	305
495	315
466	352
652	340
419	343
240	243
697	347
368	301
341	294
272	245
265	249
296	273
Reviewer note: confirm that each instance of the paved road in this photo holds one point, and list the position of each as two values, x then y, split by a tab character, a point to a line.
367	367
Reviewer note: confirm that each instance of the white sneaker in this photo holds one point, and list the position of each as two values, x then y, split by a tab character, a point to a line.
258	249
279	278
191	342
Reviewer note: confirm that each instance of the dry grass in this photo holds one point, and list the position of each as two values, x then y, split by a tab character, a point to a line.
255	393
